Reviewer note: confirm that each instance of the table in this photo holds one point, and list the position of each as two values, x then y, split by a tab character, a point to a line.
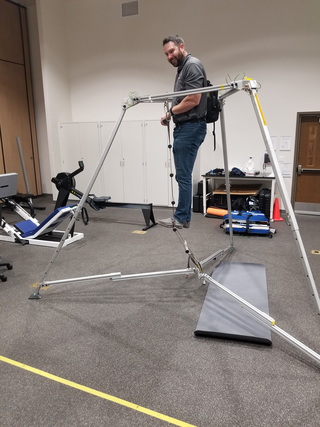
237	181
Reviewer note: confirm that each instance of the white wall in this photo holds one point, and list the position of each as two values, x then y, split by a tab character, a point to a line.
92	58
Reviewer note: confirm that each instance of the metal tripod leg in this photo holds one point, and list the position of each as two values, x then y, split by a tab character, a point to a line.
36	294
226	166
292	222
263	318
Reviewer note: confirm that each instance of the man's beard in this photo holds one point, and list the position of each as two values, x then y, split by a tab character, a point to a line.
177	60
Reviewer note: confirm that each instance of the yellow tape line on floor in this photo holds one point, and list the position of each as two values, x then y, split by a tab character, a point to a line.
96	393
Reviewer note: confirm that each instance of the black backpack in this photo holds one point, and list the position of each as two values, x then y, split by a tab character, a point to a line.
213	109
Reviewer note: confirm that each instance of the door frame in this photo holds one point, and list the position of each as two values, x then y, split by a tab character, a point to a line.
296	152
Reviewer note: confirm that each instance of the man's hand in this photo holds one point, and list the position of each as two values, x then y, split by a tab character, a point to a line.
165	119
188	102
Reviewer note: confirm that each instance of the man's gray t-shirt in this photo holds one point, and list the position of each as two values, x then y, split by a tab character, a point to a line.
190	75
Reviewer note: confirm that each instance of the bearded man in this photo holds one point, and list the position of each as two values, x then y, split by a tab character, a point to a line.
188	114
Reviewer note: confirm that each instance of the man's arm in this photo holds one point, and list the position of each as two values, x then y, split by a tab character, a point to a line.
189	102
193	79
185	105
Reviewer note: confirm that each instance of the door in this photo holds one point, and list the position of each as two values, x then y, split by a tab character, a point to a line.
307	191
15	122
16	100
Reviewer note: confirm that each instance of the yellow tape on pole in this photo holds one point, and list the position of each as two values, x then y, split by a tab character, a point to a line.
262	116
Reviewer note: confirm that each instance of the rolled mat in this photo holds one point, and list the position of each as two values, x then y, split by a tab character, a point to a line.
217	212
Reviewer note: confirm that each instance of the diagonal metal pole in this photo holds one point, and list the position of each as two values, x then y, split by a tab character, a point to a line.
23	165
263	318
36	293
292	222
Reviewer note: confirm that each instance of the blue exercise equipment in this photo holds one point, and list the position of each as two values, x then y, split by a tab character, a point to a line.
30	231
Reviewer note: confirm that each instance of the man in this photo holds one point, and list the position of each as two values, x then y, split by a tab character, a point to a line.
188	114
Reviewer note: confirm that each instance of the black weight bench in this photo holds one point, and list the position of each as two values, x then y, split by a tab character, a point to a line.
65	184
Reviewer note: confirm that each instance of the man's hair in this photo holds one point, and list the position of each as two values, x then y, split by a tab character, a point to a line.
174	38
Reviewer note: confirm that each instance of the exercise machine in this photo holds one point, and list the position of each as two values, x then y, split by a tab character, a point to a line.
30	231
66	185
251	88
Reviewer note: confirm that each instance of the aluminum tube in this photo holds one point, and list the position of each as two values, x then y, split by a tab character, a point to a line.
81	279
226	168
265	319
186	271
25	176
284	195
215	255
35	294
162	97
296	343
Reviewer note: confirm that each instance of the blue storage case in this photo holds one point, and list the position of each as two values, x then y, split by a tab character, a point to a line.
248	222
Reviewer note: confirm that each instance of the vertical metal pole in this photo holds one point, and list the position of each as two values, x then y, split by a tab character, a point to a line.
23	165
292	222
36	294
226	167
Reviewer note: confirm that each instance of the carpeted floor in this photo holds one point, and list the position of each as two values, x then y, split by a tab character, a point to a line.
124	353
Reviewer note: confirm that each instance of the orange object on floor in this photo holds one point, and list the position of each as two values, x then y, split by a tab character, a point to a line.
276	211
217	211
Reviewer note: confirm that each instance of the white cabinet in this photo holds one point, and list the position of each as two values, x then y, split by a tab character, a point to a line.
112	174
133	165
157	168
80	141
136	168
123	174
123	167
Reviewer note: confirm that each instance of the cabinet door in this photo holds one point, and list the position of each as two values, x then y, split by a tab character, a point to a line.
132	150
112	169
157	168
70	151
90	150
80	141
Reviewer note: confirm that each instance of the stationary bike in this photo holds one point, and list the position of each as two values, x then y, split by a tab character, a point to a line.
65	184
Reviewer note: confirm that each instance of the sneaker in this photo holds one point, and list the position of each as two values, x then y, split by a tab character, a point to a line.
173	223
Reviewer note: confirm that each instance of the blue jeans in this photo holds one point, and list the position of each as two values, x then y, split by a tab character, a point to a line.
187	139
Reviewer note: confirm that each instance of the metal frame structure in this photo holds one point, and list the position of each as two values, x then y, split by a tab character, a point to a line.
251	87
